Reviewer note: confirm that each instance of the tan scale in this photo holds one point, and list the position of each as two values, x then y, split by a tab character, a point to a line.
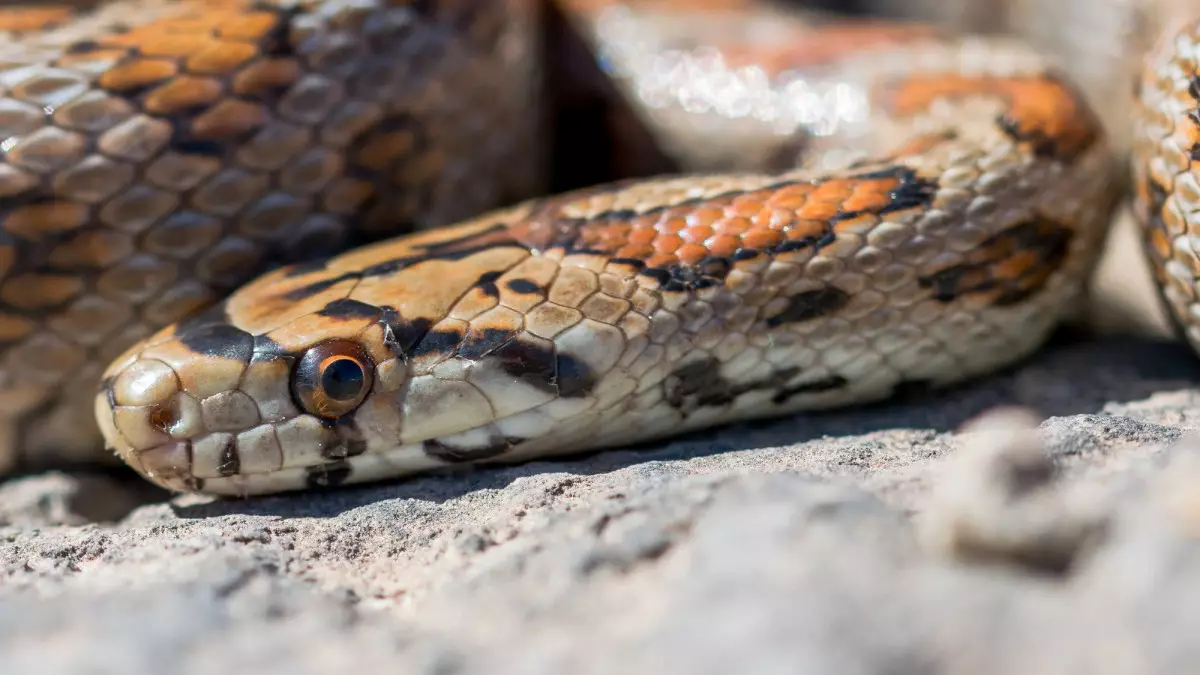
948	244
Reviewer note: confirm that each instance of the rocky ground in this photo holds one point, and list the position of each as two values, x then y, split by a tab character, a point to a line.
1041	521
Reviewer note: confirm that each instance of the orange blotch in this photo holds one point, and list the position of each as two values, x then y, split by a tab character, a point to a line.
696	234
692	254
1043	111
661	260
643	236
635	251
1160	243
704	216
762	239
790	198
723	246
818	210
668	243
1016	265
24	19
734	226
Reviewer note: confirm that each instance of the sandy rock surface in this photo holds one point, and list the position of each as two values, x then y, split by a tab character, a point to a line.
888	539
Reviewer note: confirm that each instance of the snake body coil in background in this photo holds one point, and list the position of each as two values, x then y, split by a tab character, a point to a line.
916	210
156	155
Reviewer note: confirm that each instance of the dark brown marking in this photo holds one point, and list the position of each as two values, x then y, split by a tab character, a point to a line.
220	340
811	305
347	308
350	436
487	283
478	344
572	377
266	349
815	243
1010	265
437	342
522	286
447	453
329	474
710	272
479	242
1194	87
683	278
528	362
699	378
309	290
700	384
231	462
82	47
275	42
399	336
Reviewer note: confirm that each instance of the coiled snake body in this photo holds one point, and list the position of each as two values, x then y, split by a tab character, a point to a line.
952	228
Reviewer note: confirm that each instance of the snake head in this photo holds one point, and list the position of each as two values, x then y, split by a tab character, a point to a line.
381	362
220	406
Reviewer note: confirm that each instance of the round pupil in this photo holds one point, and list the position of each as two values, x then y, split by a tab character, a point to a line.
342	379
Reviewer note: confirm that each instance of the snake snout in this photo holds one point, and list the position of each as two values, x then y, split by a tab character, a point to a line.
213	408
181	421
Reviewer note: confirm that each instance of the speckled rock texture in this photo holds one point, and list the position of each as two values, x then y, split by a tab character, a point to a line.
948	533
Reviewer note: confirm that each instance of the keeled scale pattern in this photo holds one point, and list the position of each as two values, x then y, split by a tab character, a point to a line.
155	155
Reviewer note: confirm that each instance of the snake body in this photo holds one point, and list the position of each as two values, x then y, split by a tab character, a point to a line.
936	227
624	312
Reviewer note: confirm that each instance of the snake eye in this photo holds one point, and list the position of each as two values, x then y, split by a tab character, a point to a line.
332	378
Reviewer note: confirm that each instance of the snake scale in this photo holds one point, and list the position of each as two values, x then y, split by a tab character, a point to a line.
260	246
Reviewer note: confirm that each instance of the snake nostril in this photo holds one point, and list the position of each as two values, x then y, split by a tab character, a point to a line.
164	417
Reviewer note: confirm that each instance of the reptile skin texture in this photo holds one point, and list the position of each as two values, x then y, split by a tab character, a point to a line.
1166	145
157	155
925	210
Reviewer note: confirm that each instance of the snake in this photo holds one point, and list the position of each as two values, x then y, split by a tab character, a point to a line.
261	247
